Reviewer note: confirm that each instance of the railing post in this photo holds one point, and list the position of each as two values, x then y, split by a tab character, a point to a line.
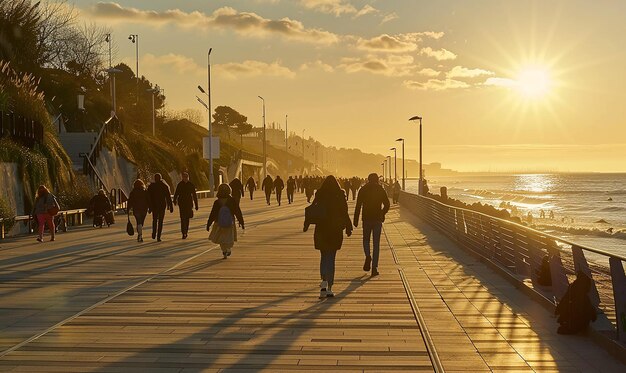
618	279
521	267
557	270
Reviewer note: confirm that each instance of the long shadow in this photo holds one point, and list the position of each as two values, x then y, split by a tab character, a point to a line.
551	346
215	333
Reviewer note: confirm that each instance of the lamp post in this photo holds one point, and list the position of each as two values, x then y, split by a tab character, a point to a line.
112	73
383	164
109	40
421	181
153	91
208	107
287	143
264	142
303	156
403	174
395	163
134	38
389	166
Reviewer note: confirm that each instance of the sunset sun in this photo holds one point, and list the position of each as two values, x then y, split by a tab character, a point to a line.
533	82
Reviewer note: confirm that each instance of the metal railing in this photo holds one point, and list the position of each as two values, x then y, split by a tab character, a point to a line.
27	131
520	250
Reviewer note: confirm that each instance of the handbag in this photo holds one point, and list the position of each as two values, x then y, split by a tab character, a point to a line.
129	227
315	213
54	209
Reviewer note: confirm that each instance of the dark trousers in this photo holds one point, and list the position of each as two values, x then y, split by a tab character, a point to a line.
251	194
184	226
372	228
279	194
267	196
327	266
290	195
157	223
353	194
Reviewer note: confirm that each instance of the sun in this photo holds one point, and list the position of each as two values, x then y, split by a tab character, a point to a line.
533	82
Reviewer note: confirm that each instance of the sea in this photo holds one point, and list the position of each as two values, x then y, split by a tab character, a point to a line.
587	208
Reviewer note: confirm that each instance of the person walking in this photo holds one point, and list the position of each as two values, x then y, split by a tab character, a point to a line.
186	198
279	185
236	187
139	202
309	188
225	210
291	188
355	184
395	192
160	199
251	186
45	208
328	236
375	203
101	207
267	186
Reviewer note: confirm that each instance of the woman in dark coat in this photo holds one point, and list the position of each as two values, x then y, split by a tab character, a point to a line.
224	232
186	198
575	310
101	206
328	236
139	202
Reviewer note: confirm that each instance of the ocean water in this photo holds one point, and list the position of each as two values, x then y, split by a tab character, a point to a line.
589	209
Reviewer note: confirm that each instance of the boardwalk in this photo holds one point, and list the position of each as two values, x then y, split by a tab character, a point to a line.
97	301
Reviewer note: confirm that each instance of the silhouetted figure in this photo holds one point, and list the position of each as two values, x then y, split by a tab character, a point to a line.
575	310
542	214
395	192
44	202
236	188
331	220
267	186
346	187
186	198
375	203
309	188
251	186
291	188
355	184
160	199
139	202
101	207
279	185
551	215
225	210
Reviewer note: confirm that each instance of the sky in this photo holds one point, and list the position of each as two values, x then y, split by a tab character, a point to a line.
501	85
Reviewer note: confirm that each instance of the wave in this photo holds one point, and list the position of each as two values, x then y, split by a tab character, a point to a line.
582	231
612	209
505	196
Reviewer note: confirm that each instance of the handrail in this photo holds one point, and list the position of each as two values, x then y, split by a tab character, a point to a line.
100	134
95	171
561	239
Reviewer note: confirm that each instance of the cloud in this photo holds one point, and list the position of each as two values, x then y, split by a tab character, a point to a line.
389	17
318	65
436	84
500	82
440	54
464	72
246	23
249	68
393	65
367	9
173	62
338	7
401	43
429	72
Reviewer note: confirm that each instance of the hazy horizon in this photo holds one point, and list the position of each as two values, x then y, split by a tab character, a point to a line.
503	86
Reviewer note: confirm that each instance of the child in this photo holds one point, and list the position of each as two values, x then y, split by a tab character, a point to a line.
223	214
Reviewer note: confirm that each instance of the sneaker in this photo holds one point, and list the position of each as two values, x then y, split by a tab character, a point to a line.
228	253
368	262
225	255
323	292
39	239
159	239
375	272
329	293
52	239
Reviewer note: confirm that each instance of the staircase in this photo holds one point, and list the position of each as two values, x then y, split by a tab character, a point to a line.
76	143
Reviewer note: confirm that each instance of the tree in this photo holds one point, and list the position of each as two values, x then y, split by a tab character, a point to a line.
242	129
226	118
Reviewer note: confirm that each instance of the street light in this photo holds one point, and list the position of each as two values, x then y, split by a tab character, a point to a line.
153	91
208	107
134	38
264	144
403	174
389	165
287	144
383	164
395	163
421	182
112	73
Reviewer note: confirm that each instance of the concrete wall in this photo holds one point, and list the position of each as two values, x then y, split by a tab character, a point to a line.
12	191
116	172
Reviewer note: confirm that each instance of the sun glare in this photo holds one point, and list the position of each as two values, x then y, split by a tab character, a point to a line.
533	82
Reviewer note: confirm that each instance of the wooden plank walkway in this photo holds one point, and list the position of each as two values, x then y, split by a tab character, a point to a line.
104	303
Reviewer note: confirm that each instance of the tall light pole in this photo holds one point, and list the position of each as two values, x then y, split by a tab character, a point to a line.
112	73
395	163
421	182
383	164
153	91
208	107
134	38
109	40
264	142
303	155
403	174
389	165
287	143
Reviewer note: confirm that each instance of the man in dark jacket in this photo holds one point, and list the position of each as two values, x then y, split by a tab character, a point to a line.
236	188
279	185
267	186
160	199
251	185
375	203
291	188
186	198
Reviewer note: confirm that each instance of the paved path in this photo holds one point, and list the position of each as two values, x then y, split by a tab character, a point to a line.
99	301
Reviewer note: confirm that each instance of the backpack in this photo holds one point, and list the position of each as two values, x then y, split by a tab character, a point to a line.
225	217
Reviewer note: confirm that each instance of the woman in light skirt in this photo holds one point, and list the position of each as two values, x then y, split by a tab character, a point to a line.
225	210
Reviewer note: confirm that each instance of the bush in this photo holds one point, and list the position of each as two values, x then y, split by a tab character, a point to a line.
7	214
78	196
